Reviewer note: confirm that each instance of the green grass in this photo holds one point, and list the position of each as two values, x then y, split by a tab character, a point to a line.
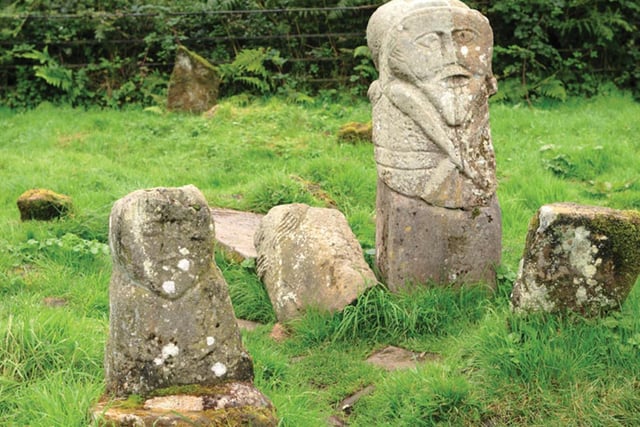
493	368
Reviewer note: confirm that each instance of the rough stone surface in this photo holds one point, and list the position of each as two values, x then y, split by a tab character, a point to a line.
578	258
194	83
230	404
171	319
310	257
235	231
431	123
417	243
42	204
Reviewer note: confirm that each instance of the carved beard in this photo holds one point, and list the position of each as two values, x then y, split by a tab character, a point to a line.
453	97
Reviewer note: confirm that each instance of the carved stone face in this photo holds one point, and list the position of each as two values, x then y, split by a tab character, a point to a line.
446	52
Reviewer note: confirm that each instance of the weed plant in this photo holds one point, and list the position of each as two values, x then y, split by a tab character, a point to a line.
492	368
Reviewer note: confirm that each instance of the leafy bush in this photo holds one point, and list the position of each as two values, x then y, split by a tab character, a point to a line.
555	48
116	53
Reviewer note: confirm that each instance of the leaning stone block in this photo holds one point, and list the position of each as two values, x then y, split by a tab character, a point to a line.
310	257
44	205
578	258
171	320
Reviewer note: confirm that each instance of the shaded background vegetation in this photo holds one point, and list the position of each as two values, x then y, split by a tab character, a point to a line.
116	52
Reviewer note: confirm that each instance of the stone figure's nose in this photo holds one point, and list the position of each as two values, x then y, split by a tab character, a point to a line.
449	55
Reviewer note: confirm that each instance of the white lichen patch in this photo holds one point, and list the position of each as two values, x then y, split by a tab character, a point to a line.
533	296
211	341
290	296
184	251
184	264
582	253
581	295
169	350
147	265
169	287
464	50
546	217
219	369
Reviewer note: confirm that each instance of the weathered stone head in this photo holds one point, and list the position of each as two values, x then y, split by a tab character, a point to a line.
430	101
156	235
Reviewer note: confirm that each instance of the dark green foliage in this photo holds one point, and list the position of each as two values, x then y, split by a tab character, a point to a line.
116	53
555	48
383	317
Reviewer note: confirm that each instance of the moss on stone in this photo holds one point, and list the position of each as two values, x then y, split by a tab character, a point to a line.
624	233
121	412
353	132
194	83
242	417
199	59
190	389
42	204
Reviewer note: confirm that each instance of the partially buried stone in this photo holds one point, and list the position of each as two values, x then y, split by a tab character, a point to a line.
194	83
577	258
171	320
309	257
42	204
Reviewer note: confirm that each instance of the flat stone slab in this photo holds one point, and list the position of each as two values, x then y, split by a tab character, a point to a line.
247	325
235	231
235	403
393	358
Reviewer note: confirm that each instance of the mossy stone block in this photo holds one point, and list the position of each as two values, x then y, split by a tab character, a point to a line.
44	205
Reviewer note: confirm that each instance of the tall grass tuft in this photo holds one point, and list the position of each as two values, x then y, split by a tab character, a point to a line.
431	395
248	295
379	315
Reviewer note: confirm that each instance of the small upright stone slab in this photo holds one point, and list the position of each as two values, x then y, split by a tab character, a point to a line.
43	205
171	320
578	258
309	257
194	83
437	215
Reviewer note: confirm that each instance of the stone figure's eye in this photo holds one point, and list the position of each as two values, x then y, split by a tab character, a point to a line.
430	41
465	36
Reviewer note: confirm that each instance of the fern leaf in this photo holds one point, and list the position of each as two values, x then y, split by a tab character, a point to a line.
256	82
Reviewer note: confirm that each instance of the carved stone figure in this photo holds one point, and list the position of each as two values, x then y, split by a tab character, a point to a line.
432	139
171	319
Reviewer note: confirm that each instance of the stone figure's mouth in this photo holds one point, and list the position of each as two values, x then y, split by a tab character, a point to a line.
456	80
454	76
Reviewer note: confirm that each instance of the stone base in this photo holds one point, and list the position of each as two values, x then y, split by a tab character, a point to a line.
418	243
233	404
